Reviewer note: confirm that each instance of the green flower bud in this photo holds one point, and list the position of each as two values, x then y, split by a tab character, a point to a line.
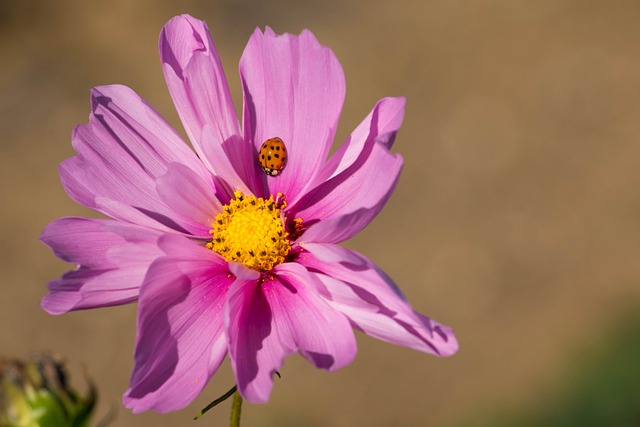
35	393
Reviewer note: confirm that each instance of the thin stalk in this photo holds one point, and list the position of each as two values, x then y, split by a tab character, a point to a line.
216	402
236	408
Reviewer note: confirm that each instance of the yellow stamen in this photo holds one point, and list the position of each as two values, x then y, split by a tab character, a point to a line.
250	231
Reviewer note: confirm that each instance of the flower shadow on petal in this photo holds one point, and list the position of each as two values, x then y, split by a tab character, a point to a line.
258	313
256	180
321	360
411	329
162	219
254	347
168	56
180	342
148	378
326	188
249	119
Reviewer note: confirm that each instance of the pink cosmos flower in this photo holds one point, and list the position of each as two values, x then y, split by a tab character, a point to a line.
221	257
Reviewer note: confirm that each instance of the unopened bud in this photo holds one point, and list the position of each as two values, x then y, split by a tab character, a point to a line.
35	393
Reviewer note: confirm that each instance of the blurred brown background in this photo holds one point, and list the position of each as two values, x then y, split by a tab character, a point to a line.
516	220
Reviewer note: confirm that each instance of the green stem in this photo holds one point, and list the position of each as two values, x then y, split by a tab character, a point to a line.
236	408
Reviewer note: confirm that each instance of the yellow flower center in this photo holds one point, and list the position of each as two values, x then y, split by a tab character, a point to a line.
250	230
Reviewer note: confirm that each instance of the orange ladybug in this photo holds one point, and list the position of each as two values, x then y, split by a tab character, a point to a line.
273	156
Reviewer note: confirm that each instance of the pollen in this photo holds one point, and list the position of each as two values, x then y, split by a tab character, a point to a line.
250	231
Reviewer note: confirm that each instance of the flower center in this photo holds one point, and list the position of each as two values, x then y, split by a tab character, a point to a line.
250	230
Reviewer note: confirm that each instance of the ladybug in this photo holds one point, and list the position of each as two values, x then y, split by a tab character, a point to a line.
273	156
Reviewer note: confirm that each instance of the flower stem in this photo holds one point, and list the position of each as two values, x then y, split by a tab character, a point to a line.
236	408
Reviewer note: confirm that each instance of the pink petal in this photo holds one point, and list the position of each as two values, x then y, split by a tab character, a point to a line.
242	272
347	203
355	287
187	194
268	321
255	350
321	334
121	152
200	92
180	342
112	259
293	89
224	168
125	212
381	125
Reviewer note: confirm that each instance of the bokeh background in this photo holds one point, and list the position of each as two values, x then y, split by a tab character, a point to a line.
516	220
